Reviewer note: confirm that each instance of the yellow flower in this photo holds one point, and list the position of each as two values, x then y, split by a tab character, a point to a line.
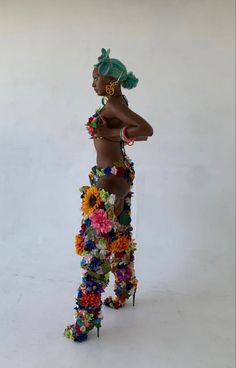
91	200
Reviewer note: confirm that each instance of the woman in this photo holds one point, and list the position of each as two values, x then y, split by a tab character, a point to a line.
105	237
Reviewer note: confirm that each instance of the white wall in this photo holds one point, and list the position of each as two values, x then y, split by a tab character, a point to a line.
182	52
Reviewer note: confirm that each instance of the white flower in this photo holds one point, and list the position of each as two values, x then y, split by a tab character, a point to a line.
128	201
103	252
112	198
114	170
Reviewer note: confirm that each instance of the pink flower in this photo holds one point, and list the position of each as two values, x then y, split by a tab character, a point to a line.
88	257
100	222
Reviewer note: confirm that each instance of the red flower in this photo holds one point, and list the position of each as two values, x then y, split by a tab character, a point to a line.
91	299
120	171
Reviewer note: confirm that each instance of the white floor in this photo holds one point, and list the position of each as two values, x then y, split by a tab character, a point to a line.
183	54
165	329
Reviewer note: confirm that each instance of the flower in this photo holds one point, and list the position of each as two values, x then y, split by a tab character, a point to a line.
124	274
112	199
91	299
101	244
91	200
92	123
83	188
104	195
87	222
120	244
107	171
89	245
83	228
128	201
95	264
120	171
100	222
110	214
114	170
79	246
99	172
88	257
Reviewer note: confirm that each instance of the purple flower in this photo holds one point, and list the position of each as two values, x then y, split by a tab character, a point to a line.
124	274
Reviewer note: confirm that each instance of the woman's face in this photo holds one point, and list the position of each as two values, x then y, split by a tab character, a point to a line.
100	82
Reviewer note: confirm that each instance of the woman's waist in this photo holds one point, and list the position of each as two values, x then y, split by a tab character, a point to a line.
120	160
123	167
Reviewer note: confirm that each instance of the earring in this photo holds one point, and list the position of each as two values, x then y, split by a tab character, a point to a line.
110	88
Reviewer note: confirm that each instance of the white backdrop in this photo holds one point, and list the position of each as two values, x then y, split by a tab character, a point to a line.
183	206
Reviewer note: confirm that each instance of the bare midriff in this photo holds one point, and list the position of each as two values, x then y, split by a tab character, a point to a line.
107	152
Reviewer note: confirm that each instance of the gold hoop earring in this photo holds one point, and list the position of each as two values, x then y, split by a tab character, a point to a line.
110	88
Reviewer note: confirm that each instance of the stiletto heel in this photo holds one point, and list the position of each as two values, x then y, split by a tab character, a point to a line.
97	331
134	298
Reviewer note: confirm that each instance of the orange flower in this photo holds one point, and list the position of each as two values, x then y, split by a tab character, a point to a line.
79	247
119	245
91	299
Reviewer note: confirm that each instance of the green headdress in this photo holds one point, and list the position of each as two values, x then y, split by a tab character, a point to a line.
116	69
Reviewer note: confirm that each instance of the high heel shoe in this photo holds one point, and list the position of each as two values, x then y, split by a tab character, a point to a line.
116	302
71	333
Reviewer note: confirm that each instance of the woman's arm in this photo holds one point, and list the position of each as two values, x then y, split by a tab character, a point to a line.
136	126
141	138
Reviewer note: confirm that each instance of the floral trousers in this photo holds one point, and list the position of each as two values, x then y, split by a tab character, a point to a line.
105	244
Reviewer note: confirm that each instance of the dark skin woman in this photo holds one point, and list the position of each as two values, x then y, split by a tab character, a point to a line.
105	239
115	115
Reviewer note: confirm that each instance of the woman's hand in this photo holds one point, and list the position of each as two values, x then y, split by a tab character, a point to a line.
103	130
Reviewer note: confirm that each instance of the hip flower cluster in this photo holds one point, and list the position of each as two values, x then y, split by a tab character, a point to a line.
101	229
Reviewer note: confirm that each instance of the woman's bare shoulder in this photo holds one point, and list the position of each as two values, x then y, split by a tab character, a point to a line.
117	102
113	107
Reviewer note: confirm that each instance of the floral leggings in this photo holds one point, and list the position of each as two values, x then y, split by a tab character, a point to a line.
105	243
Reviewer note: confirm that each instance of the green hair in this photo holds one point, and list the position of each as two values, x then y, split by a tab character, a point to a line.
116	69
